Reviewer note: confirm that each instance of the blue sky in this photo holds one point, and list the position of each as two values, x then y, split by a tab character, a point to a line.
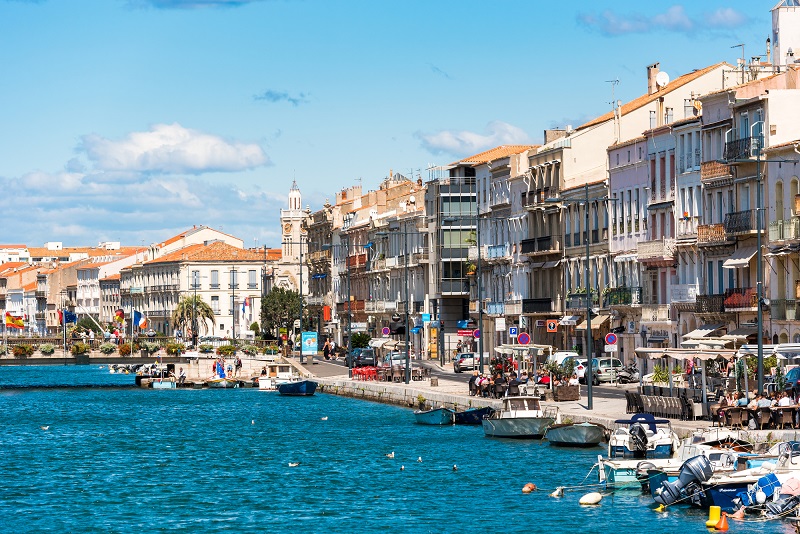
132	120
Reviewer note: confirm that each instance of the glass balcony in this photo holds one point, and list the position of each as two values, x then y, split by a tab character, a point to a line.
495	252
495	308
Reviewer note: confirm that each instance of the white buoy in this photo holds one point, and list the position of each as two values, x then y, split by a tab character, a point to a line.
591	498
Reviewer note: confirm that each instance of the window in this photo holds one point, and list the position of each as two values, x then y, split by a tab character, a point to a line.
195	280
214	279
215	304
251	279
629	155
233	283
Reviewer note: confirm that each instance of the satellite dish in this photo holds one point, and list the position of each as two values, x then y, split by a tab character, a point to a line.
412	200
662	79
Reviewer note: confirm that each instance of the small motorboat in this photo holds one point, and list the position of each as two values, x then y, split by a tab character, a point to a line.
223	382
163	383
643	436
584	434
304	388
472	416
520	417
434	416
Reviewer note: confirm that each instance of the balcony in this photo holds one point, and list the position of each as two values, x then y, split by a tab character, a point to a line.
712	234
39	316
379	264
473	255
539	305
314	301
656	313
538	197
783	309
657	250
400	306
741	148
577	301
710	304
355	306
497	252
539	244
784	229
420	257
41	294
741	299
357	261
319	255
496	308
687	226
713	169
741	222
683	293
623	296
454	286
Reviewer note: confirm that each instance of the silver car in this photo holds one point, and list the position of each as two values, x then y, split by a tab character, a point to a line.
468	361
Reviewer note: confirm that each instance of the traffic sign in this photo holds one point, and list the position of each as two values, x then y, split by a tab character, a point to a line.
612	348
512	331
464	332
524	338
611	338
552	325
385	331
476	333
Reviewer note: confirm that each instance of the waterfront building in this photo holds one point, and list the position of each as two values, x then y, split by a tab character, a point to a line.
318	227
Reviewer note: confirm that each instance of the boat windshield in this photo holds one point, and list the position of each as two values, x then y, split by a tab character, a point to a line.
522	403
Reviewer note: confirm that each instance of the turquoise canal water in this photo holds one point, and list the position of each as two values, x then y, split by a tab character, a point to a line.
123	459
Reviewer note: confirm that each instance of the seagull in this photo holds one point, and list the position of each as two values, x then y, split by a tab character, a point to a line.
455	467
45	427
390	455
294	464
419	459
323	418
402	468
252	421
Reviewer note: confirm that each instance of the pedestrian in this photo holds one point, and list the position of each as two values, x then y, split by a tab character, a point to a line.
333	349
326	350
91	337
238	365
181	376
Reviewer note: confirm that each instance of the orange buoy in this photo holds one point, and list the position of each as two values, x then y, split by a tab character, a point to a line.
527	488
722	524
738	514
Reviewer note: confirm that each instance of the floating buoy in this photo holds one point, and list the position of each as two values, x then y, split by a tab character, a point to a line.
761	497
527	488
419	459
713	516
660	508
591	498
722	524
455	467
738	514
323	418
559	492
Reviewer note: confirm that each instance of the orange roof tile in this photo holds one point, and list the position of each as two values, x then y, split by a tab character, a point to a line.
643	100
13	246
783	145
30	287
492	154
214	252
111	277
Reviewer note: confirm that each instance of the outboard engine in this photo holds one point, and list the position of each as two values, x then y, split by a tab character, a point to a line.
638	440
782	506
693	472
643	475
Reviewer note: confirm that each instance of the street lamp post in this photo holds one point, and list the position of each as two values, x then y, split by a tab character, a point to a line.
404	233
348	358
300	290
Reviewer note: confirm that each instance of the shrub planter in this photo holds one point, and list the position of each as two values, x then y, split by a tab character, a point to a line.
566	393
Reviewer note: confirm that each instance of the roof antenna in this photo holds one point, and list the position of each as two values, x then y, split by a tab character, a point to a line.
614	108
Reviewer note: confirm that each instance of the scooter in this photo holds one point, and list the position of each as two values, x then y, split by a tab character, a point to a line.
628	374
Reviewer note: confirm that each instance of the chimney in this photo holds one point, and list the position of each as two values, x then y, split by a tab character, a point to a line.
552	135
769	51
652	72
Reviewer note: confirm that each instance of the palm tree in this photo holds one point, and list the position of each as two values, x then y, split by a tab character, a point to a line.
192	307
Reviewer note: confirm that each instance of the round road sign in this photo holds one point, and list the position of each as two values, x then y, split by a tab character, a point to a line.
552	325
476	333
524	338
611	338
385	330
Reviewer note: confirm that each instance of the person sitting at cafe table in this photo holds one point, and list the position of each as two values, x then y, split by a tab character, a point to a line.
785	400
764	402
741	401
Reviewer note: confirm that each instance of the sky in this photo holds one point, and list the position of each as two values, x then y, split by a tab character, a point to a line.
132	120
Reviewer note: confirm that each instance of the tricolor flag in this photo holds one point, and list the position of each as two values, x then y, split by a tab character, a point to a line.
14	322
139	320
245	305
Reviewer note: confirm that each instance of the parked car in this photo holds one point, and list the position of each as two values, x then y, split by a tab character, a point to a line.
579	367
560	356
360	357
468	361
394	358
606	369
793	381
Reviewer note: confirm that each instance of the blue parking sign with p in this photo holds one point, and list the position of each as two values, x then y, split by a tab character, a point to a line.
512	331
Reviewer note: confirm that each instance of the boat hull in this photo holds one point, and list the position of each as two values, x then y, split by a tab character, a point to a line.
438	416
163	384
517	427
304	388
223	383
576	435
473	416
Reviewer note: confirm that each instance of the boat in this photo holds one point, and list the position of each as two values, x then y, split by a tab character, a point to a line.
222	382
434	416
277	373
584	434
519	417
304	388
643	436
472	416
163	383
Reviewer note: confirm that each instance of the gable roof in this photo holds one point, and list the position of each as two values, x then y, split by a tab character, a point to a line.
645	99
216	251
492	154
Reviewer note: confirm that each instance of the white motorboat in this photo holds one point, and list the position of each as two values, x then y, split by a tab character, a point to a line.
520	417
277	374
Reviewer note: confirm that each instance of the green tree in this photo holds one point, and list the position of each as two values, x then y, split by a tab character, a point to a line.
279	308
360	340
255	329
187	308
87	324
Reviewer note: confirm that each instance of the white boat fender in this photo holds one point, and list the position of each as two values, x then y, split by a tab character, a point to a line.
591	498
559	492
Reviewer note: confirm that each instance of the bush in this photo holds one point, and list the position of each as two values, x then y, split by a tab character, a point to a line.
22	351
47	349
360	340
250	350
205	348
272	349
151	346
226	350
175	349
108	348
80	348
124	349
3	350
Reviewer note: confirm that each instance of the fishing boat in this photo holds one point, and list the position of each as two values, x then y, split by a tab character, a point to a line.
303	388
519	417
434	416
472	416
222	382
584	434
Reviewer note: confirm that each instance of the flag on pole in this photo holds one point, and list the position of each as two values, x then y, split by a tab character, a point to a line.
139	320
119	316
14	322
67	316
245	305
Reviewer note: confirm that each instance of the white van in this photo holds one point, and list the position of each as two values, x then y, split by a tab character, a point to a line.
560	356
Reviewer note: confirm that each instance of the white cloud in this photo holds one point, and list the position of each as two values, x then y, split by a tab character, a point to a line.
464	142
171	148
674	19
726	17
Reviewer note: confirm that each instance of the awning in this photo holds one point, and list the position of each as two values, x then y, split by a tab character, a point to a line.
706	342
743	332
378	342
740	258
550	264
682	354
503	350
390	345
597	322
703	331
625	257
537	265
569	320
657	339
